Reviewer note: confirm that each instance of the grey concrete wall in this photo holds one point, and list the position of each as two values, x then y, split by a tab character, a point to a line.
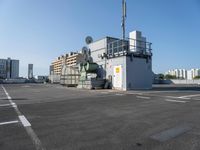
97	49
139	73
13	81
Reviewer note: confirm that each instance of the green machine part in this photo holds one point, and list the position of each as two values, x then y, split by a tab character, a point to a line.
87	68
91	67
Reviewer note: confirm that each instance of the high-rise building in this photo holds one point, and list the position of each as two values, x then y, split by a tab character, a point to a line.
3	68
30	71
14	69
9	68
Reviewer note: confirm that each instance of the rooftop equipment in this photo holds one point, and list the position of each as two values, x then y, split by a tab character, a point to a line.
70	76
123	19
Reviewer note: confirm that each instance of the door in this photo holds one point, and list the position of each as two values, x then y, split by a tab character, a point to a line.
117	78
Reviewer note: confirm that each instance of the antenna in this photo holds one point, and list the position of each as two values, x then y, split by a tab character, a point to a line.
123	19
88	40
84	50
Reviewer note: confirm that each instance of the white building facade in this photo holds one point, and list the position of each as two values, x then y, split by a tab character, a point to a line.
184	74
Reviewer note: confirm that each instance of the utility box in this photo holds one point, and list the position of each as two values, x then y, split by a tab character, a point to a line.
117	77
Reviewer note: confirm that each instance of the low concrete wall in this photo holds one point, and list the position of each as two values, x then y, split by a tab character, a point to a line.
176	81
14	81
186	81
162	82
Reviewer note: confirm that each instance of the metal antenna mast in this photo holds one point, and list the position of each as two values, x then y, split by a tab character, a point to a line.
123	19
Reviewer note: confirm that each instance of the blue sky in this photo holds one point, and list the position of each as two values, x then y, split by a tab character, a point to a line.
37	31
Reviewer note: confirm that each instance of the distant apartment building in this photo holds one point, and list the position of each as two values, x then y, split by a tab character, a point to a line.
184	74
70	59
30	71
179	73
193	73
9	68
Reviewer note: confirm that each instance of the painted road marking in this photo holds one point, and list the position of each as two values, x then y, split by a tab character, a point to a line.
176	101
135	93
189	96
14	105
177	97
36	141
118	94
171	133
24	121
142	97
3	105
9	122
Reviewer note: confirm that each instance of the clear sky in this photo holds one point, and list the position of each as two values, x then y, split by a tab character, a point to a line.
37	31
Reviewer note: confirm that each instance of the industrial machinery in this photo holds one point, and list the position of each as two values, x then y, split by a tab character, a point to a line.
70	76
88	70
82	73
89	78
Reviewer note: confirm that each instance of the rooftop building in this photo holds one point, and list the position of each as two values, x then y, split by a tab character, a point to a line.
122	64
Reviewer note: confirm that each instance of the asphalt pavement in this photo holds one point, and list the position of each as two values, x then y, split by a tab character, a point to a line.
53	117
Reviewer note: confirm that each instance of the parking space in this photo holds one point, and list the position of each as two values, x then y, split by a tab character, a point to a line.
175	94
61	118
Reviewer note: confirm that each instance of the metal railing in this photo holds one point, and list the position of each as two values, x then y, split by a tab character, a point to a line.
129	46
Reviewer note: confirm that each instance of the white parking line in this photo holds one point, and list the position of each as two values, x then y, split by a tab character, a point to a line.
189	96
24	121
9	122
143	97
176	101
135	93
178	97
3	105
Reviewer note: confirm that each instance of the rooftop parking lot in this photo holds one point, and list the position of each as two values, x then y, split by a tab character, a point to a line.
53	117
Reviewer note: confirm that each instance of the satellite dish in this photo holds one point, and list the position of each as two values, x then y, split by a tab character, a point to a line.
84	50
88	40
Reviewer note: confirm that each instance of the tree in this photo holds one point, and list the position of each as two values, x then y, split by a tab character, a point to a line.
168	76
197	77
161	76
